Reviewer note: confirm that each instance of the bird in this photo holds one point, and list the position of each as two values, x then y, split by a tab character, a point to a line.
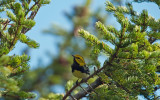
79	68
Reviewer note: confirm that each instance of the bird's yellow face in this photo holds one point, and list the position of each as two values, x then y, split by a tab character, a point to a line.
79	59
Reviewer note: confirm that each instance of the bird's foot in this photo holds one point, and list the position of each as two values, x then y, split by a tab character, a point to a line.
77	82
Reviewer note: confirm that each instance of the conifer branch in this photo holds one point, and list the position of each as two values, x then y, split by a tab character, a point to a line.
5	25
17	22
14	39
94	84
18	73
82	81
32	7
14	95
32	15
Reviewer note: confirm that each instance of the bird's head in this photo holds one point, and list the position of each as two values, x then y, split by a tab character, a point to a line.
79	59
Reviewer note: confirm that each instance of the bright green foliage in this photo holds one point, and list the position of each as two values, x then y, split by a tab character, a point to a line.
12	29
11	69
107	35
94	41
31	43
45	1
135	59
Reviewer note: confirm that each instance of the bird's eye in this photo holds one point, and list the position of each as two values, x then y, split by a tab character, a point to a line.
78	58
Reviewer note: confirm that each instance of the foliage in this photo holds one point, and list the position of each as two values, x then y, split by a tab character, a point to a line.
132	65
18	20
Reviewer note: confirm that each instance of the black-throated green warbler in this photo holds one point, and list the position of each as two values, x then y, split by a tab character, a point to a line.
79	68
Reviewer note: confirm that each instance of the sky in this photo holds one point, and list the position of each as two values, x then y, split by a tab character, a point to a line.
53	13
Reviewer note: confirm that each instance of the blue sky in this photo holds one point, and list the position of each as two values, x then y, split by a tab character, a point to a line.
53	13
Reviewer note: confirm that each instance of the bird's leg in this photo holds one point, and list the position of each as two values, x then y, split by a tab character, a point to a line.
77	82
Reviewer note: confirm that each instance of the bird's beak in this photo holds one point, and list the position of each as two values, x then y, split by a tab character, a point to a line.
73	55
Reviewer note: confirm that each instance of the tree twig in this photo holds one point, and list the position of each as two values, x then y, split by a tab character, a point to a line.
32	7
95	84
32	15
82	81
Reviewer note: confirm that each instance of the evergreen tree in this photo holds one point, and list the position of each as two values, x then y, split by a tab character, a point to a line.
19	19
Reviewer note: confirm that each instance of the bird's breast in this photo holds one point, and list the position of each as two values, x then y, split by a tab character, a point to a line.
79	74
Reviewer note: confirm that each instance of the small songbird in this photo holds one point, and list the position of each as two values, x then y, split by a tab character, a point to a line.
79	68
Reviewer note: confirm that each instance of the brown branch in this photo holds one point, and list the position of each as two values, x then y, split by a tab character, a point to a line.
1	35
14	39
33	14
95	73
82	81
13	96
32	7
6	23
95	84
24	30
18	73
